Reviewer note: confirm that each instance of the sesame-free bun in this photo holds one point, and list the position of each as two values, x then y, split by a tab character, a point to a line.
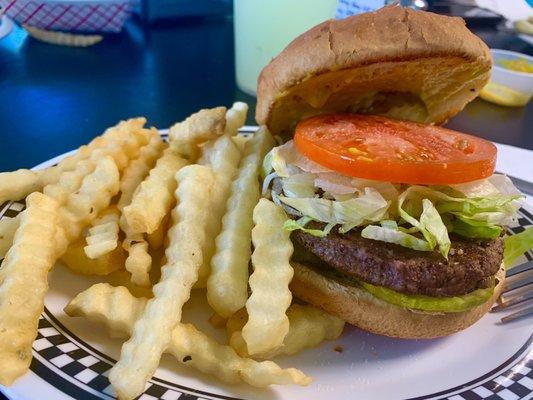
358	307
398	62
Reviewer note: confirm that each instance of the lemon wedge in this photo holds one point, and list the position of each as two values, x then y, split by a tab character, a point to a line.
503	96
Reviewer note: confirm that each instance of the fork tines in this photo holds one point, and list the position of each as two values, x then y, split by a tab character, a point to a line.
517	291
527	266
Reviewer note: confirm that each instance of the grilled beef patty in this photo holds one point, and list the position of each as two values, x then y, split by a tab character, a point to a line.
470	264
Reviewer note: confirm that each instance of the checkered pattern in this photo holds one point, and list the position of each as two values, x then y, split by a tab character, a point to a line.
514	384
525	220
69	16
89	369
12	208
57	349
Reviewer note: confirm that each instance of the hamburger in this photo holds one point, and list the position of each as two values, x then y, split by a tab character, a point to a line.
396	222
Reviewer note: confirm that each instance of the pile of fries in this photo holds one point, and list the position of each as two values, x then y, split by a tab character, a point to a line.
112	207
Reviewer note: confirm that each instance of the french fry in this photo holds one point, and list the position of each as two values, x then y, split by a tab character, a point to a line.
8	227
83	206
308	327
139	168
69	181
156	239
268	323
154	197
235	118
51	175
62	38
152	331
102	237
121	277
227	286
77	261
123	140
18	184
240	141
200	127
24	283
118	310
139	263
139	260
223	157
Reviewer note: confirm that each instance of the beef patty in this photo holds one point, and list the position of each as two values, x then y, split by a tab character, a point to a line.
470	264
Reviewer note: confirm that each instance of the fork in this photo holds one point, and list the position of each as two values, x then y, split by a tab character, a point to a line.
517	292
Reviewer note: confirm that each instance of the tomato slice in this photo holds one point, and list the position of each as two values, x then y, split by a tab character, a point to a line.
385	149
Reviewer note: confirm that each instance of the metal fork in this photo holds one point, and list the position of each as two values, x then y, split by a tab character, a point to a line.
517	292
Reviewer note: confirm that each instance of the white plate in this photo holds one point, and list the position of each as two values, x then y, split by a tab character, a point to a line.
72	358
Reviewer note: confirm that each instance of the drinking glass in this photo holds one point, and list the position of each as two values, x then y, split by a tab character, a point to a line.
264	27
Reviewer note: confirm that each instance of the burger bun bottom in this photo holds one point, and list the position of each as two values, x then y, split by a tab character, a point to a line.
358	307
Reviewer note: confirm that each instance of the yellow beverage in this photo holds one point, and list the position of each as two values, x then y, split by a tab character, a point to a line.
264	27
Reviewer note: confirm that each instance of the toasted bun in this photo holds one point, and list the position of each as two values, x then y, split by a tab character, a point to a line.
398	62
358	307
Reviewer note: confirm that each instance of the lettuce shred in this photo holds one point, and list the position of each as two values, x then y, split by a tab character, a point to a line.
516	245
424	216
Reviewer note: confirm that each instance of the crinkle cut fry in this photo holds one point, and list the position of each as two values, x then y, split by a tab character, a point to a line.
118	310
23	284
139	168
227	286
18	184
139	261
69	180
102	237
154	197
236	118
77	261
268	323
308	327
140	355
200	127
223	157
83	206
8	227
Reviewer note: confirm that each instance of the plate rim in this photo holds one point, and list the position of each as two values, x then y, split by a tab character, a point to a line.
522	357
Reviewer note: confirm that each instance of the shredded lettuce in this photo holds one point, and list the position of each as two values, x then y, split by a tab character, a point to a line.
266	168
299	185
516	245
430	224
474	229
500	210
424	215
495	185
391	235
429	303
431	221
267	180
286	160
369	207
292	225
